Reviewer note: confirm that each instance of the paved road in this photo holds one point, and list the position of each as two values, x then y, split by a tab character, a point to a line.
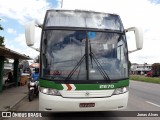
25	105
142	97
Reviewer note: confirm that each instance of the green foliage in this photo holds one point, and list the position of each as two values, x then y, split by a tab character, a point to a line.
156	69
145	79
1	28
1	41
1	38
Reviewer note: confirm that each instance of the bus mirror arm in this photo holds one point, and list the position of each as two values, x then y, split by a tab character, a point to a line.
38	24
37	49
138	37
131	51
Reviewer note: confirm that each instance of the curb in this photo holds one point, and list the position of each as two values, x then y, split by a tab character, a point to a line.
11	107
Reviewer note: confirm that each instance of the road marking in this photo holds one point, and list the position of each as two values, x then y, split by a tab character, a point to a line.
153	104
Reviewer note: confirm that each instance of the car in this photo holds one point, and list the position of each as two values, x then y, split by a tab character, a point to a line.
149	74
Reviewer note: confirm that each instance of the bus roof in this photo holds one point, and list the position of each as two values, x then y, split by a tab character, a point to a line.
82	19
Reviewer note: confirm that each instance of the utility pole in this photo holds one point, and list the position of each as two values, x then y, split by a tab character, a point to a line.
61	3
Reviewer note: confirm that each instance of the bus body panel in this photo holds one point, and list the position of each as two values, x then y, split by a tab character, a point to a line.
84	86
86	93
60	104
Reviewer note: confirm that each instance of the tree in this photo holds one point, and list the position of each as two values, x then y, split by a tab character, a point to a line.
1	38
156	69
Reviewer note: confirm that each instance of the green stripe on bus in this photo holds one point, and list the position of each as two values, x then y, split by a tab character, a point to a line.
99	86
50	84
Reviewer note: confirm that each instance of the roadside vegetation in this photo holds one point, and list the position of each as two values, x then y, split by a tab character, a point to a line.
1	37
145	79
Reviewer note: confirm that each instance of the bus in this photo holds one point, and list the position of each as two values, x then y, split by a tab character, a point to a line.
83	60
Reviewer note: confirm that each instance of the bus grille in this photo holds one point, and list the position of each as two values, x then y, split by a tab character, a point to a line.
86	93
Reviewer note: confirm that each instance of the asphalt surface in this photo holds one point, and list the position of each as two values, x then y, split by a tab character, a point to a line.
142	97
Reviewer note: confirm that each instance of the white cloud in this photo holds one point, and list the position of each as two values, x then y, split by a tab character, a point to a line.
3	20
23	10
22	49
11	31
18	44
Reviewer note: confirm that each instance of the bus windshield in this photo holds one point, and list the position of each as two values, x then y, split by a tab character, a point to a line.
64	53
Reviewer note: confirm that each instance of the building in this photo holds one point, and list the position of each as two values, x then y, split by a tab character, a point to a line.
140	68
16	57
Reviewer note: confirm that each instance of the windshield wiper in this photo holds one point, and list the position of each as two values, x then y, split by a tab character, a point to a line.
100	68
85	56
90	54
75	68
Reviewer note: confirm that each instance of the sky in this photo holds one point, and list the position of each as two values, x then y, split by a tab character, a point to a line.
14	14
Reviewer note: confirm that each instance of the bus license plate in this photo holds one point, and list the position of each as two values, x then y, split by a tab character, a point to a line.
87	105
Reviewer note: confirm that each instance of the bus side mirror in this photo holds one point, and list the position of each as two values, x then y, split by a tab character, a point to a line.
30	33
138	36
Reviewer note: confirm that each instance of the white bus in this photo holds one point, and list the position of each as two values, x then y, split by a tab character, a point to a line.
83	61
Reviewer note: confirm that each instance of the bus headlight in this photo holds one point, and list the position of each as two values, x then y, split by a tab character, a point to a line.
49	91
120	90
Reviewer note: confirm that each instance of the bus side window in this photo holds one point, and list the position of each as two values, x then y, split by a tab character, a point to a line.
120	51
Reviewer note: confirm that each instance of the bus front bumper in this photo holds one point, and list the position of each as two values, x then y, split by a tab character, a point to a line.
60	104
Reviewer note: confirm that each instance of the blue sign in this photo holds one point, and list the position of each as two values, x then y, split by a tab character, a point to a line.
91	35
